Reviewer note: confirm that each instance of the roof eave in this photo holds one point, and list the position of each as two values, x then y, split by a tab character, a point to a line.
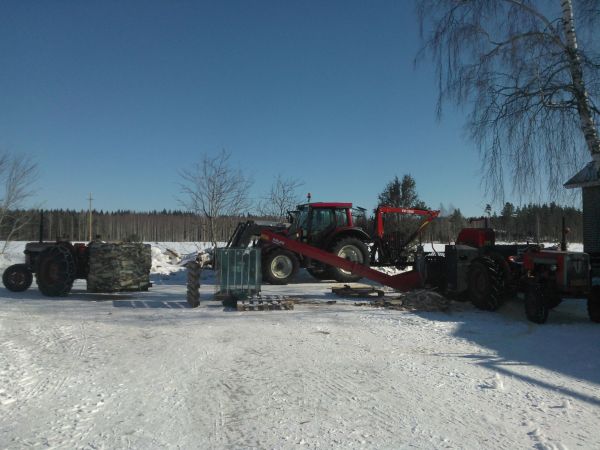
589	176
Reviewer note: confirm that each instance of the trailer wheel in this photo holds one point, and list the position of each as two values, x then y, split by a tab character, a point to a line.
485	284
56	271
352	249
593	304
17	278
536	304
280	266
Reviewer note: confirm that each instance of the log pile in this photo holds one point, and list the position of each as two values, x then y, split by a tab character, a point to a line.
119	267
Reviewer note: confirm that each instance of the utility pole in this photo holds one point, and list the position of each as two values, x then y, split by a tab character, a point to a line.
90	218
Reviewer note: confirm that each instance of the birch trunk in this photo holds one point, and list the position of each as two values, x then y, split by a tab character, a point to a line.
588	125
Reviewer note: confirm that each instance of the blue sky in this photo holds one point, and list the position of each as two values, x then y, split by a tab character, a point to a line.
115	97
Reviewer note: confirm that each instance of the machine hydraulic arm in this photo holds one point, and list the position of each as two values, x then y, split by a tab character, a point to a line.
403	282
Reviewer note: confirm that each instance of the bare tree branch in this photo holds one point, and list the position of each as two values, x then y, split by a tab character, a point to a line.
532	87
282	197
213	188
17	175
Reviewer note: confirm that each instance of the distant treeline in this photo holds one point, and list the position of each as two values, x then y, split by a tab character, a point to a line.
153	226
524	223
531	223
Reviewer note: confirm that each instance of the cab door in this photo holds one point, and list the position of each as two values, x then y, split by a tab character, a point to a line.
323	222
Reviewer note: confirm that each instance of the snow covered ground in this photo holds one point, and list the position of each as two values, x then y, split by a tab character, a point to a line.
146	371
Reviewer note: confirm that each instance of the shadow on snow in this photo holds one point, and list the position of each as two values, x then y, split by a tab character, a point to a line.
568	344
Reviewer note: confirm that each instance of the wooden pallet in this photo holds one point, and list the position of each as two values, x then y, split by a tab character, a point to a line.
264	305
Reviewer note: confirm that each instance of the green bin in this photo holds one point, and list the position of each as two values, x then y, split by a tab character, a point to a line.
238	273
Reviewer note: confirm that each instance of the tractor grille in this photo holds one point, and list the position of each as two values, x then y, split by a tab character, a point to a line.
577	265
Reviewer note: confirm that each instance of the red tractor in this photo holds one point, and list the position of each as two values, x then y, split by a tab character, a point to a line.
481	270
328	226
551	275
55	264
58	264
488	273
338	228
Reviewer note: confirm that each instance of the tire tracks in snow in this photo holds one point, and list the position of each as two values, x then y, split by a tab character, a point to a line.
44	365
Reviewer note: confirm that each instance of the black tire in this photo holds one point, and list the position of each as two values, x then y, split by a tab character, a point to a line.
56	271
550	293
319	274
536	304
485	284
279	266
352	249
17	278
505	274
593	304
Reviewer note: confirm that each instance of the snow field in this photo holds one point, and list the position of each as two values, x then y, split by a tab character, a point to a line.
145	371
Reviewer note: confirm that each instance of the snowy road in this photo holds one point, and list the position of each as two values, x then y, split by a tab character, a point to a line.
144	371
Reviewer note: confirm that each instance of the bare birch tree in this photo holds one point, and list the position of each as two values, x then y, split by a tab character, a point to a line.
530	78
213	188
282	197
17	175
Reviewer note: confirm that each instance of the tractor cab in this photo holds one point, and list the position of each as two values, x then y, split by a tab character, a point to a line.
318	223
478	235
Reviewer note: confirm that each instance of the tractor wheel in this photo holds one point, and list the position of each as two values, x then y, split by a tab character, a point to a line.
56	271
593	304
17	278
505	274
485	284
352	249
319	274
536	304
279	266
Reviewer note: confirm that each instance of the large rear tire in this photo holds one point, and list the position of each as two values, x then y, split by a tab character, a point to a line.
17	278
352	249
56	271
485	284
279	266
